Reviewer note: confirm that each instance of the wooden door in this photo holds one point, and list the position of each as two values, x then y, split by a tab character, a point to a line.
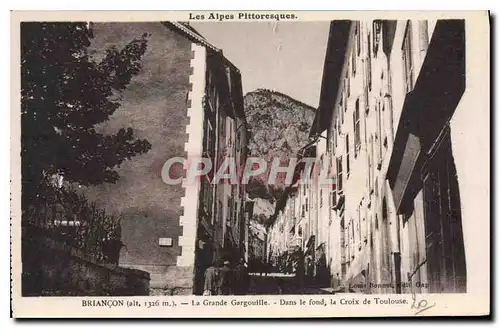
443	221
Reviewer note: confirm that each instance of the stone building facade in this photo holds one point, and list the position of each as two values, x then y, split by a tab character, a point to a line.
257	243
399	86
187	102
390	126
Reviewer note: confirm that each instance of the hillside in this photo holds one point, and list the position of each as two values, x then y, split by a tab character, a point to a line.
279	128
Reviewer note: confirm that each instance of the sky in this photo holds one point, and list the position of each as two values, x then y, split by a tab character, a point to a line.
283	56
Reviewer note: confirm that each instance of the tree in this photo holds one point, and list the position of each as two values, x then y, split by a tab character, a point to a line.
275	191
260	219
65	94
256	188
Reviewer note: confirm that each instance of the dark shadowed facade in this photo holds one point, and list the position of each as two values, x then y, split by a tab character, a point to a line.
165	104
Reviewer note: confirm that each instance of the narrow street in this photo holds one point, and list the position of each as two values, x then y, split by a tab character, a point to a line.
279	283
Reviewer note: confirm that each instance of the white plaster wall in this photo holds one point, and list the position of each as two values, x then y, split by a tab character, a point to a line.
470	135
396	72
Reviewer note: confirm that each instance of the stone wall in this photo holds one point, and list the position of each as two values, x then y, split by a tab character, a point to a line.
50	268
169	280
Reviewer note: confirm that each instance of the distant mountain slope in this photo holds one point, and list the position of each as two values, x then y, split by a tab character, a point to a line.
279	126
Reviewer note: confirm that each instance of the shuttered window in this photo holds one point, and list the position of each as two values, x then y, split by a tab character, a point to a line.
357	132
407	59
339	174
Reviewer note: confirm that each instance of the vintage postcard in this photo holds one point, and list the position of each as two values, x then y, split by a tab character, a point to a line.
250	164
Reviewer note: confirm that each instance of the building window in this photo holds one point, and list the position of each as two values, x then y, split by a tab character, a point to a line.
369	63
321	198
207	137
222	126
356	48
407	59
337	133
377	27
385	136
353	234
207	196
353	62
348	82
231	210
358	37
372	160
334	135
370	164
220	212
357	133
339	173
333	197
347	154
384	210
234	211
344	102
230	133
211	92
342	116
378	133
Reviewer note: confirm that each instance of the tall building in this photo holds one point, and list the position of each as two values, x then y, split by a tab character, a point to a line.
315	224
257	243
390	128
187	102
400	86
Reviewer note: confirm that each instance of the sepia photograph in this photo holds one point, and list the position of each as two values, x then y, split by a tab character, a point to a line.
252	154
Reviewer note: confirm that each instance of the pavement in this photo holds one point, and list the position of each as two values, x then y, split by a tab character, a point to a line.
282	284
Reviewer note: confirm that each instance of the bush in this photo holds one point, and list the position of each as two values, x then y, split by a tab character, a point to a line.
67	216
